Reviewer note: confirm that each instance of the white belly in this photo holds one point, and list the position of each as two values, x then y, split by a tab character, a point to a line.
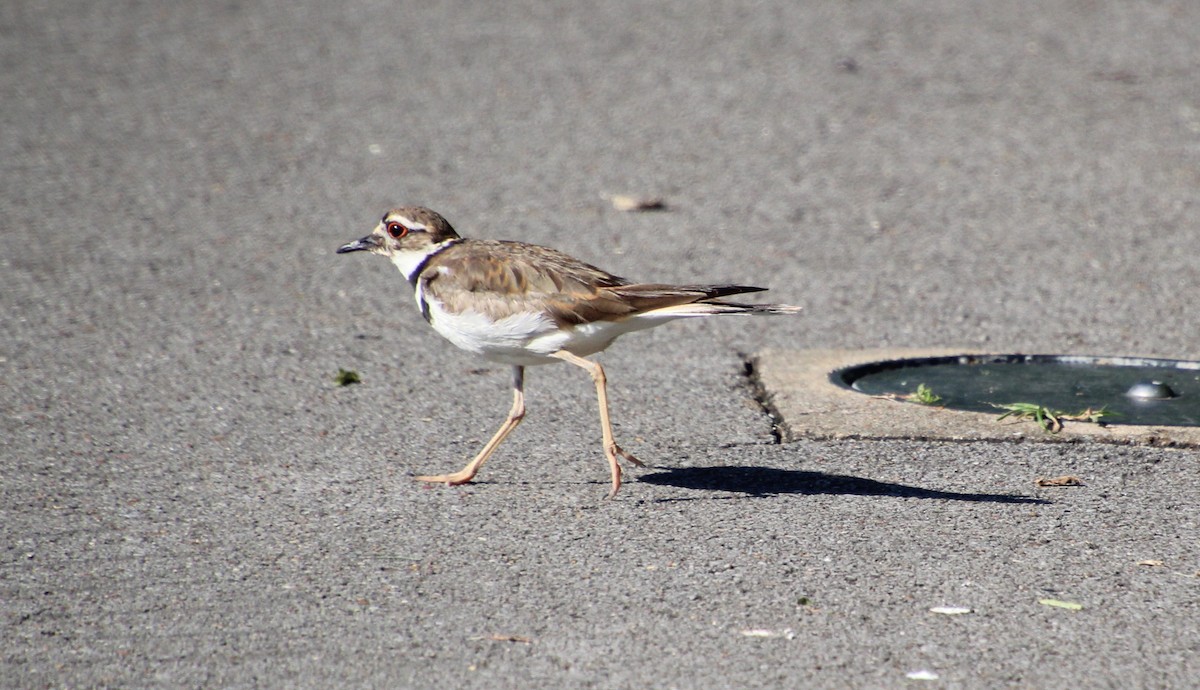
507	340
527	339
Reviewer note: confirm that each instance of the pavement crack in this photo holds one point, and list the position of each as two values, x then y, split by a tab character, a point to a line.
759	394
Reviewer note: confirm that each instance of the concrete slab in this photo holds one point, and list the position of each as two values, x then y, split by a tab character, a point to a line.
796	388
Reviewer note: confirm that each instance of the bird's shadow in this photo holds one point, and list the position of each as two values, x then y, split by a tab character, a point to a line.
770	481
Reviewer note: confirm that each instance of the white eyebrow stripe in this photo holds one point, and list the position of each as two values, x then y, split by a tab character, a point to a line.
412	225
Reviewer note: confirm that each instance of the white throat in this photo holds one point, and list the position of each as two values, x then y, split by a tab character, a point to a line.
410	262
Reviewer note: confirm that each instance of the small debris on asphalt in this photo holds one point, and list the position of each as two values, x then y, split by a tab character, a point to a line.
499	637
1068	605
346	377
950	610
625	202
1065	480
786	633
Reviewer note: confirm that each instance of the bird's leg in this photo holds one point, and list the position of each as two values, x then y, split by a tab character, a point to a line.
515	415
611	449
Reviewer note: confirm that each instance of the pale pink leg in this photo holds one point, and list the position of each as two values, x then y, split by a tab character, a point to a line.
515	415
611	449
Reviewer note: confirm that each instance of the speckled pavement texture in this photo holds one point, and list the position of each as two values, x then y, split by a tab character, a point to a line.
188	499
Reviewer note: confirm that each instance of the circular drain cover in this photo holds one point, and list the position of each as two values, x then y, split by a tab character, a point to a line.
1132	390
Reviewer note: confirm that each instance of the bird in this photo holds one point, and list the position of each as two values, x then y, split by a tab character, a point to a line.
524	305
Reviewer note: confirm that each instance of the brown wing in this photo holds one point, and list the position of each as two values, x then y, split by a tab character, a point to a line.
531	277
501	278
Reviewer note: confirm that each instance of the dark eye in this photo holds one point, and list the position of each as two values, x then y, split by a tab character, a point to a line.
396	230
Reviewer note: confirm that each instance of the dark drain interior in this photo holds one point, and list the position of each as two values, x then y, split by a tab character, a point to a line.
1132	390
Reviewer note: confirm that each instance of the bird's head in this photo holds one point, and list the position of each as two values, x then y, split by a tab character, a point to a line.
408	236
405	230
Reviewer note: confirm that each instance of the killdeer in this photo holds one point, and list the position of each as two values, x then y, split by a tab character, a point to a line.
521	304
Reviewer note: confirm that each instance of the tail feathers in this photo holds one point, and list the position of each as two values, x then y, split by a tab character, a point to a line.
717	291
717	307
761	308
675	301
680	293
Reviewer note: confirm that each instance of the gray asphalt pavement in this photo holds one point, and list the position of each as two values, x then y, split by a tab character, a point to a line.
189	500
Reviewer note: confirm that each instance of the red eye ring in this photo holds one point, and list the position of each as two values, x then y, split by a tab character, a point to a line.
396	230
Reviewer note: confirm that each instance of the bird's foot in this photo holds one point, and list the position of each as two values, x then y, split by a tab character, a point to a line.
612	451
627	455
448	479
